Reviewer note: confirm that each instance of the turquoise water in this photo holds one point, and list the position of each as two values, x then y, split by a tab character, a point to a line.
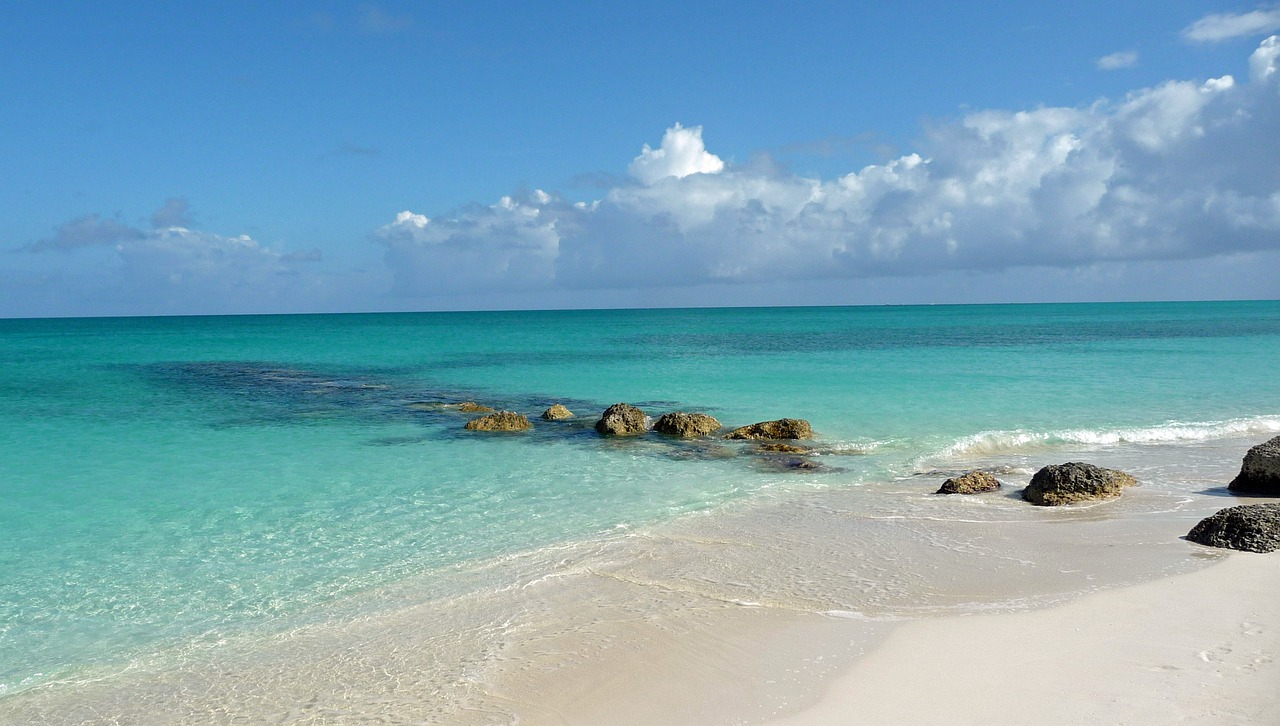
168	481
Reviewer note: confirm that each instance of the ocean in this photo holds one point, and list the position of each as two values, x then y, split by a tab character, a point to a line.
187	496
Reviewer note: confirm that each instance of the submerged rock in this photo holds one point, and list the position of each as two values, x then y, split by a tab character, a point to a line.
970	483
464	407
1247	527
783	428
686	425
622	419
557	413
1073	482
775	447
1260	472
500	421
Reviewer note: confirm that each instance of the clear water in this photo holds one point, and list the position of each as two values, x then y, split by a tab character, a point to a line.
166	482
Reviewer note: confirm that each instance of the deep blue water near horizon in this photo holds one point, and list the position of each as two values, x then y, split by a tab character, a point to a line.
175	480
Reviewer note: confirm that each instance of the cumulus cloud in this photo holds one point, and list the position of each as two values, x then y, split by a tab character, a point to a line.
1182	171
1226	26
682	153
1116	61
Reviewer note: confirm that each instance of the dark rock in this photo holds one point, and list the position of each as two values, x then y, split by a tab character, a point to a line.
1260	472
464	407
622	419
1247	527
970	483
1073	482
500	421
557	413
686	425
783	428
780	448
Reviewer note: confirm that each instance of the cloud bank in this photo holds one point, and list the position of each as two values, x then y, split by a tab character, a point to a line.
169	268
1182	171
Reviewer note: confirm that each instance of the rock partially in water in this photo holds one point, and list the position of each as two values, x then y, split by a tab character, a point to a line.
500	421
970	483
557	412
1260	472
1247	527
686	425
783	428
464	407
472	407
777	447
622	419
1073	482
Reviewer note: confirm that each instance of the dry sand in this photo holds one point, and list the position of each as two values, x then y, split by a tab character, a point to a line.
1198	648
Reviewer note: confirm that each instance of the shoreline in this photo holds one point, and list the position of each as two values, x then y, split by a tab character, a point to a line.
1192	648
770	609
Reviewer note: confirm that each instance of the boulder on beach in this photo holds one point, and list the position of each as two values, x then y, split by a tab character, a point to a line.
622	419
1260	472
686	425
500	421
1247	527
970	483
783	428
1073	482
557	412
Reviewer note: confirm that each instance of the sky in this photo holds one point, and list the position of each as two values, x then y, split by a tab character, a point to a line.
176	158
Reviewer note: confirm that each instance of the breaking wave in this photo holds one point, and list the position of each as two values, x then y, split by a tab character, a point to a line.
997	442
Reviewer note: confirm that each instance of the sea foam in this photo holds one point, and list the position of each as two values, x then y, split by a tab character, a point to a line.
1170	432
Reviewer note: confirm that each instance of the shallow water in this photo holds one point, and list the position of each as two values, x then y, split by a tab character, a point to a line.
187	494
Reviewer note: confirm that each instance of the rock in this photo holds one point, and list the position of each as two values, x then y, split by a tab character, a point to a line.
557	413
970	483
780	448
1260	473
1073	482
1248	527
464	407
622	419
500	421
783	428
686	425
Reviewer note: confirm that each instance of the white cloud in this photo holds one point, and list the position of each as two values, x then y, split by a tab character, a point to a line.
1116	61
1181	171
682	153
168	268
1225	26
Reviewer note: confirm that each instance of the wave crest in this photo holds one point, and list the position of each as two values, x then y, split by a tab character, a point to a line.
998	442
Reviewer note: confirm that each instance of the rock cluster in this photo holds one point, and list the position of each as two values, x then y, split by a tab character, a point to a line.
622	419
686	425
783	428
557	412
1248	527
1073	482
970	483
500	421
1260	472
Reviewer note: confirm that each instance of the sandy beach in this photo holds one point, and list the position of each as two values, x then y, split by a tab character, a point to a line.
1198	648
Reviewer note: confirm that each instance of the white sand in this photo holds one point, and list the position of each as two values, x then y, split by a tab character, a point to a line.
1197	648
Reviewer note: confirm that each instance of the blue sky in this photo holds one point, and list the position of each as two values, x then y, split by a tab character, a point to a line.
167	159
